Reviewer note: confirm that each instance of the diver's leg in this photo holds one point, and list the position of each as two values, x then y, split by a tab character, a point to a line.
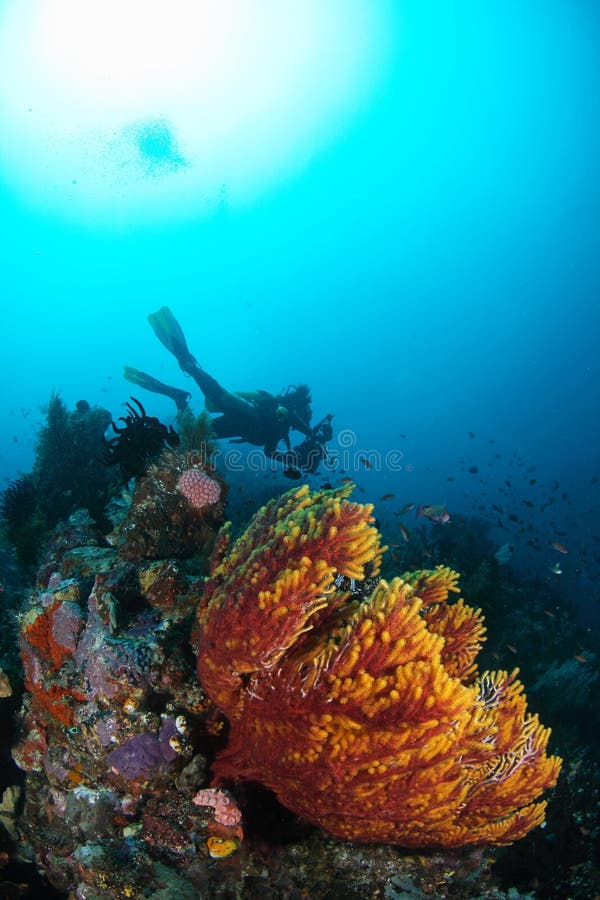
218	399
149	383
169	332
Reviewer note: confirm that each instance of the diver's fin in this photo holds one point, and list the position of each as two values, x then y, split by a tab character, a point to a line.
168	330
149	383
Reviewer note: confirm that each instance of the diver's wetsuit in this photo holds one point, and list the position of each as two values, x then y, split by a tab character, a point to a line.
246	416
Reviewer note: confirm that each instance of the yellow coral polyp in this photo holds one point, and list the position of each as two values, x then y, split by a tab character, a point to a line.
367	716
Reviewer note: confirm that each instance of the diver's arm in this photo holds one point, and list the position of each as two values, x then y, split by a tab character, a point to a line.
300	425
180	397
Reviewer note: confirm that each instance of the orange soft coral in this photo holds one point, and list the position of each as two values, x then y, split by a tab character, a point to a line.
367	718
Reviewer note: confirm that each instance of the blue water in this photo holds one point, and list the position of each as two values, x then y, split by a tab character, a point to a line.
431	269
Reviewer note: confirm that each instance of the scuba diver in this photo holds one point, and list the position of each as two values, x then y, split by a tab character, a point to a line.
255	417
306	456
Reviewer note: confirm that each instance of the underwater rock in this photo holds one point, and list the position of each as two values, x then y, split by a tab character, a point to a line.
162	522
112	714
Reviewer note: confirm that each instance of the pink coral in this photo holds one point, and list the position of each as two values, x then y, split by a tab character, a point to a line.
226	811
199	488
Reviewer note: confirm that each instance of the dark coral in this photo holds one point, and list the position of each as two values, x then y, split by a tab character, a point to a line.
138	441
17	503
68	471
67	475
18	518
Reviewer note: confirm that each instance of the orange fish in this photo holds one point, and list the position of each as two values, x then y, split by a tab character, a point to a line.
220	847
580	658
558	546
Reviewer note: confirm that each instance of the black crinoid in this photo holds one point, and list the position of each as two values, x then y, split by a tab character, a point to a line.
17	503
138	441
19	519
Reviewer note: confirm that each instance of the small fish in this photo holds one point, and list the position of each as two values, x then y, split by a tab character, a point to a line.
550	614
504	554
451	478
345	480
471	434
473	470
405	533
580	658
437	514
406	508
558	546
512	648
387	497
556	569
366	463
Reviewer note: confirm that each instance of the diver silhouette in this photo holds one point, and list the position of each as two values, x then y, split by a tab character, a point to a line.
254	417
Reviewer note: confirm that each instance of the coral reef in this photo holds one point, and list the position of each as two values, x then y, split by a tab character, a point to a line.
367	718
21	524
118	737
199	488
68	471
113	722
167	517
68	474
196	433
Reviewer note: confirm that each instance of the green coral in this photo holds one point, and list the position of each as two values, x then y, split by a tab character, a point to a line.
196	433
